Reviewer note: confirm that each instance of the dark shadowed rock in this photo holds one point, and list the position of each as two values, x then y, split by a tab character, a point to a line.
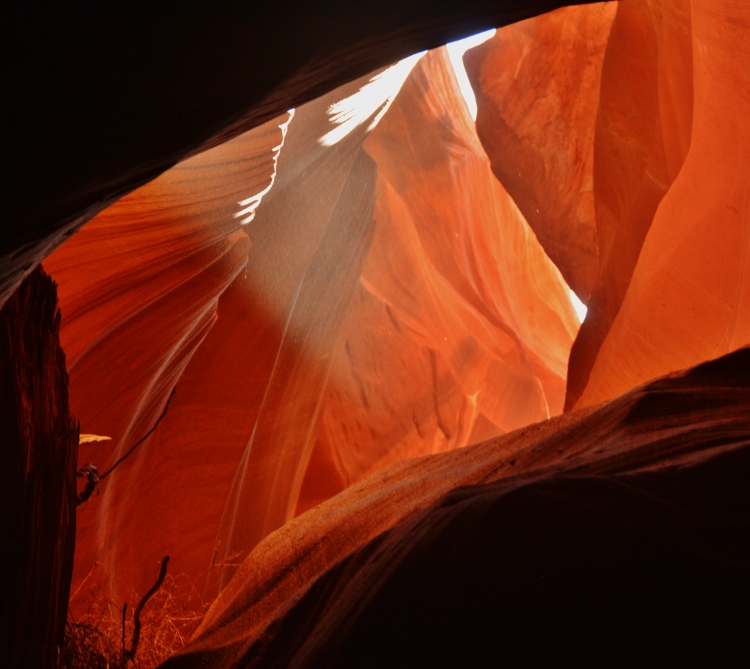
38	447
595	538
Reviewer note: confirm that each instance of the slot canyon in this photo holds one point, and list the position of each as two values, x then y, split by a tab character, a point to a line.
376	334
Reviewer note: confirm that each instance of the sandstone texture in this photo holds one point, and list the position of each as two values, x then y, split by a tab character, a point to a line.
689	295
140	291
382	303
643	132
104	99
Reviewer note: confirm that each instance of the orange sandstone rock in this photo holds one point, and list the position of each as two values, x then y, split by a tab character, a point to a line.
306	586
221	391
537	85
689	297
392	302
433	343
140	285
461	326
642	138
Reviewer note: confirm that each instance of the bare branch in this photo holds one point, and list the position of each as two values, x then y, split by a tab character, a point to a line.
142	439
130	654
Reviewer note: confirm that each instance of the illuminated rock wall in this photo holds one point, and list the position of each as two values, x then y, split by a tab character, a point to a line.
140	287
689	296
440	347
642	137
624	541
387	301
102	107
669	234
592	154
537	84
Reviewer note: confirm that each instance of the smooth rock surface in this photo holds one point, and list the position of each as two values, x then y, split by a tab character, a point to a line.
386	300
103	99
366	321
689	296
643	132
139	292
440	348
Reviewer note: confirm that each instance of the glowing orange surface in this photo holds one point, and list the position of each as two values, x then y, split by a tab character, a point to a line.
537	85
689	296
642	138
390	302
139	290
440	348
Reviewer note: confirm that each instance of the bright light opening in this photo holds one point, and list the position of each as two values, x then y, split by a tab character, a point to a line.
579	306
249	206
456	52
374	98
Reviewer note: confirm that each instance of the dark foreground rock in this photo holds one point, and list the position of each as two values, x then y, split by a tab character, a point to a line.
609	536
38	450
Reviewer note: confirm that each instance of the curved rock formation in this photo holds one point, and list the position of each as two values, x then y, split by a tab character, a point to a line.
140	287
689	296
590	180
296	337
440	348
642	138
537	85
442	323
602	519
662	299
38	450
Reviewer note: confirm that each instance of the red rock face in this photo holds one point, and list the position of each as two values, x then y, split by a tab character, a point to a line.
588	121
689	296
391	302
642	137
439	348
100	109
659	236
537	84
328	308
656	304
140	290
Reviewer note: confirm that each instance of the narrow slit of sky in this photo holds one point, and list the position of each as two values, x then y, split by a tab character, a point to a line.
456	52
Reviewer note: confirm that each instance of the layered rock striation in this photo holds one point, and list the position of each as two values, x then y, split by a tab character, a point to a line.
106	99
640	110
346	333
642	138
688	298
